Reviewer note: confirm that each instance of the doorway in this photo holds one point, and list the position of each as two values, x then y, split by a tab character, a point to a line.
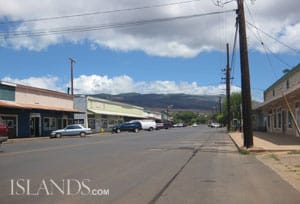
35	125
284	121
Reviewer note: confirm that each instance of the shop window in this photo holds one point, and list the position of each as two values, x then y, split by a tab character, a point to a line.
70	121
91	123
275	120
269	121
111	123
50	124
279	118
290	120
79	121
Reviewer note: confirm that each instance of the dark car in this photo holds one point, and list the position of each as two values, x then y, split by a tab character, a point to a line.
129	126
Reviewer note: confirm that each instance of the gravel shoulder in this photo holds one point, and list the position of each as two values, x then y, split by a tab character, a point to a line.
285	164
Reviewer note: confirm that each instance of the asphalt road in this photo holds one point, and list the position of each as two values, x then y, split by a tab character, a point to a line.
185	165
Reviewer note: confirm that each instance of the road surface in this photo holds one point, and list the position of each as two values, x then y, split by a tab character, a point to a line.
180	165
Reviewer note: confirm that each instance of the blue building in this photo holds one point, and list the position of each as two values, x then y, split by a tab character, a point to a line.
33	112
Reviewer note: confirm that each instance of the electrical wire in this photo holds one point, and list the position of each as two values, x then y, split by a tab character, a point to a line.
234	49
274	38
62	30
99	12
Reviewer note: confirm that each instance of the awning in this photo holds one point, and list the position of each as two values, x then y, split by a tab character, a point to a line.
115	113
10	104
292	94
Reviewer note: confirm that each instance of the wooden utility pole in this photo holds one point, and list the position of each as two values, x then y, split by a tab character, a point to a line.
245	77
72	61
228	89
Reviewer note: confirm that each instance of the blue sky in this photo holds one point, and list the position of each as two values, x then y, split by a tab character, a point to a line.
182	56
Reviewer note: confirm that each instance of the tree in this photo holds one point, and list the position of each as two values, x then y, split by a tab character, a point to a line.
236	101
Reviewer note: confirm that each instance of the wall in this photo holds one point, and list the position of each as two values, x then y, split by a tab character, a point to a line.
114	108
44	98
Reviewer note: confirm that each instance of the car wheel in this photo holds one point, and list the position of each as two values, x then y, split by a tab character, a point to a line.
82	134
118	130
151	128
58	135
136	130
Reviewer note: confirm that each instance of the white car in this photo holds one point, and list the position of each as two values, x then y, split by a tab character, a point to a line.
75	129
146	124
215	125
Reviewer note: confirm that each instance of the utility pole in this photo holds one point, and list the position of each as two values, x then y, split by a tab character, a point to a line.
72	61
228	89
220	104
245	77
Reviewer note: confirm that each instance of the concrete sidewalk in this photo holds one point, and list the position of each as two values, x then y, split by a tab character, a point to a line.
268	142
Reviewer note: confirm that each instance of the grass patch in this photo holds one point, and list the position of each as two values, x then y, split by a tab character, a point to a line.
294	152
297	166
275	157
244	152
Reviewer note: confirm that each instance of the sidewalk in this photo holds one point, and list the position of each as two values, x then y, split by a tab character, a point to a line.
268	142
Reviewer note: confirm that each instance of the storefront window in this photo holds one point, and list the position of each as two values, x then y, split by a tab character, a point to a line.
275	120
279	118
50	124
91	123
290	120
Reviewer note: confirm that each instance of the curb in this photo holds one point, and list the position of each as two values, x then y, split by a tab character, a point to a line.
236	145
31	139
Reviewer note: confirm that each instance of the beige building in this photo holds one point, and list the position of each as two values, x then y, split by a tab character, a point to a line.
274	111
29	111
101	113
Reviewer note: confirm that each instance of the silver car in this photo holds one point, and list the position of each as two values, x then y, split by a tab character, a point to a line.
71	130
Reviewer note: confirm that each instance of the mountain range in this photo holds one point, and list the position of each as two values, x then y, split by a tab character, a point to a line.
176	102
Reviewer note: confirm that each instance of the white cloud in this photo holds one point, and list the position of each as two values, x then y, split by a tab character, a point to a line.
94	84
48	82
183	38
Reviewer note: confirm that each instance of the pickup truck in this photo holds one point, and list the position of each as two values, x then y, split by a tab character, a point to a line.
3	133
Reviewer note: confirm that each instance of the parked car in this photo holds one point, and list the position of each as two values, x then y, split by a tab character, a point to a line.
3	131
159	126
179	125
71	130
128	126
195	125
215	125
146	124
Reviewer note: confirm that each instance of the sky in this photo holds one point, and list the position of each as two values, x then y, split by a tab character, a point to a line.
157	46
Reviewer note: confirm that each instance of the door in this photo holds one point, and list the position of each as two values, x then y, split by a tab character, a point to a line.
283	113
35	125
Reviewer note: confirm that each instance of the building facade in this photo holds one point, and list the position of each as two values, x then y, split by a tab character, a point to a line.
280	111
100	113
31	112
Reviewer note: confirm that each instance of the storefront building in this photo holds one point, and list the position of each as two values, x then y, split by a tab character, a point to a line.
33	112
104	114
281	103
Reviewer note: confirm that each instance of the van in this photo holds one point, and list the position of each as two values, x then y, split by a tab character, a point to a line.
146	124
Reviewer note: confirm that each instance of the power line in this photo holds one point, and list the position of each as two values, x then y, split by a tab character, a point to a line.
98	12
62	30
234	48
274	38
